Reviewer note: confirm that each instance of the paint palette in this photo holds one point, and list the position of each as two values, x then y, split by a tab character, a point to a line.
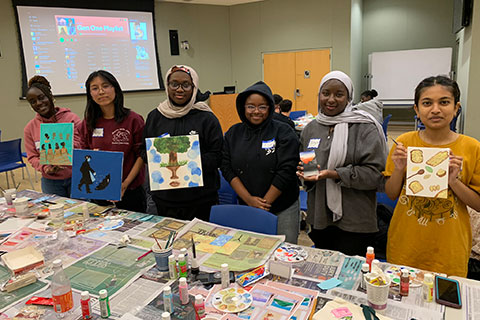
111	224
232	300
416	276
290	253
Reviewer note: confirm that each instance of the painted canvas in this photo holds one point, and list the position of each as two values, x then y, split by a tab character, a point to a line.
174	162
427	172
56	143
97	175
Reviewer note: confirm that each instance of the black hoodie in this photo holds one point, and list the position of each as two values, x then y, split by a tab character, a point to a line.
262	155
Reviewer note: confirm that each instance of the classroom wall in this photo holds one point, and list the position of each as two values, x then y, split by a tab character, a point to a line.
287	25
205	27
356	44
405	24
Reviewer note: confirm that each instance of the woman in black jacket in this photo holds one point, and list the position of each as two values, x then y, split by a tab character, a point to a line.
260	158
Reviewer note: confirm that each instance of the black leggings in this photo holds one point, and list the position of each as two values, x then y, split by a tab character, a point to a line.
349	243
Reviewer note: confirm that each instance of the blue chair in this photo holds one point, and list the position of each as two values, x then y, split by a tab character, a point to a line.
11	159
384	199
385	124
244	218
226	194
303	200
453	125
297	114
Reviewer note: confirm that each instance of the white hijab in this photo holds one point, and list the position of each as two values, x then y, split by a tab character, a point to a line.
338	149
169	110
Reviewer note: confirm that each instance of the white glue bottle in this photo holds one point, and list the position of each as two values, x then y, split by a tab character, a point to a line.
225	276
183	290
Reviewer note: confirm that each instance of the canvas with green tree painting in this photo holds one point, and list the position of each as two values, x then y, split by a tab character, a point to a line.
174	162
56	143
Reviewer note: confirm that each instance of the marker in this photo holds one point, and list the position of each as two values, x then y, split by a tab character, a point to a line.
144	255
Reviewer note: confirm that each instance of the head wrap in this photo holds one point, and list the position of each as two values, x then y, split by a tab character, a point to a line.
171	111
338	149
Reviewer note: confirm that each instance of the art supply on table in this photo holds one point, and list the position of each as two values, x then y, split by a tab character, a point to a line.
232	300
183	290
22	260
378	286
61	291
428	287
104	303
172	267
199	307
364	271
184	251
85	305
9	195
252	276
156	240
225	276
375	266
170	239
168	300
144	255
404	282
20	281
165	316
369	257
329	284
290	253
281	269
21	206
182	266
195	268
110	224
161	255
56	215
86	214
40	301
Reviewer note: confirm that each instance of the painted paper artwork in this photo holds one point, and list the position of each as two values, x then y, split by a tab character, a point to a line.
97	175
56	143
427	172
174	162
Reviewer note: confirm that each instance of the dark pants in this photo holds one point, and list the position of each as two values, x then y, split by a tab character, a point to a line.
334	238
132	200
201	211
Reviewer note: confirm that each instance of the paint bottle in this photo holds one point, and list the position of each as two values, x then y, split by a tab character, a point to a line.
85	212
85	305
183	290
428	287
225	276
172	267
364	271
369	257
375	267
404	282
199	307
184	251
168	299
165	316
104	304
182	266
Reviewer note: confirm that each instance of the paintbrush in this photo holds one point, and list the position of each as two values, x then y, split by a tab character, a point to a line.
156	240
18	185
393	140
170	237
195	268
3	190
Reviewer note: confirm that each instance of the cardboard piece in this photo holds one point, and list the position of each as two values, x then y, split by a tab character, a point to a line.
427	172
174	162
23	260
97	175
56	143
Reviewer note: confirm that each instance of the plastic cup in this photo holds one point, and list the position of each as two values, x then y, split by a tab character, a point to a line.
161	255
21	206
377	296
9	195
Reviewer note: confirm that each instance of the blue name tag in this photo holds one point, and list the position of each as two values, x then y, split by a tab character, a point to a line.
269	144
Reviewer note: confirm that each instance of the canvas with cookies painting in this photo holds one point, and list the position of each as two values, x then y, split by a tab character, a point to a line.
427	172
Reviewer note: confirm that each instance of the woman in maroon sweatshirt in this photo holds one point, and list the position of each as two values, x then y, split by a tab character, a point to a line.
109	126
55	179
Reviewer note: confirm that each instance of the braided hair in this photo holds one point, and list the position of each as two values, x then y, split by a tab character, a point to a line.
41	83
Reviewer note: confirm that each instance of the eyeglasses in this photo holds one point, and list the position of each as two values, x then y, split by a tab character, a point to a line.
261	108
104	87
175	85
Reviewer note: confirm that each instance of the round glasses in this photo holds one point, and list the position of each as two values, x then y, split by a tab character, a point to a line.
175	85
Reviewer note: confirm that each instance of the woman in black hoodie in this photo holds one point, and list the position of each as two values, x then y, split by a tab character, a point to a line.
260	158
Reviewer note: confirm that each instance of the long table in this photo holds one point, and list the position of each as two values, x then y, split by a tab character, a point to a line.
93	261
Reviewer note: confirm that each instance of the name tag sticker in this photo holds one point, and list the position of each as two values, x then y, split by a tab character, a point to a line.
37	145
97	133
268	144
164	135
314	143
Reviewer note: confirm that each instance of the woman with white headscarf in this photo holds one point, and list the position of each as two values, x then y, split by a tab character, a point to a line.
180	115
350	150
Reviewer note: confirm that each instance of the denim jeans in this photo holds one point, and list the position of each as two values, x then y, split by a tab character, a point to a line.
58	187
288	222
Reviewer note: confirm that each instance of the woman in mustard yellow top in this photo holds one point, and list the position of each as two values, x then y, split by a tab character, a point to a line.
432	233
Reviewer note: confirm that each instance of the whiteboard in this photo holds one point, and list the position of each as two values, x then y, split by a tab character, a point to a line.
395	74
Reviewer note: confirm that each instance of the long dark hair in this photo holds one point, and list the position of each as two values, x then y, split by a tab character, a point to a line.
93	110
448	83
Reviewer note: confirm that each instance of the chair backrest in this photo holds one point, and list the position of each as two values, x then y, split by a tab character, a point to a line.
244	217
384	199
297	114
226	194
10	151
303	200
385	124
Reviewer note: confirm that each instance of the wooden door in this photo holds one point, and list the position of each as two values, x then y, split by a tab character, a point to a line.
310	67
296	76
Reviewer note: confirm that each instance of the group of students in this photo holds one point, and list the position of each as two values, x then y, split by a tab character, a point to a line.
259	157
